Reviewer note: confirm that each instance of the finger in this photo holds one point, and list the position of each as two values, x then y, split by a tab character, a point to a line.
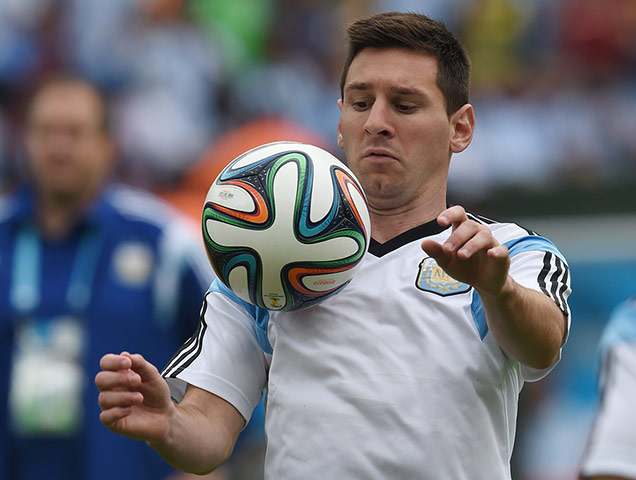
480	241
462	234
108	400
122	379
499	252
111	416
146	370
454	216
112	361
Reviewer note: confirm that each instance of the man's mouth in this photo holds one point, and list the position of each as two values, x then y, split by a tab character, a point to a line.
378	154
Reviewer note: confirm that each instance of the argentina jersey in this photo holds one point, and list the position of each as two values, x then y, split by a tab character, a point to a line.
400	364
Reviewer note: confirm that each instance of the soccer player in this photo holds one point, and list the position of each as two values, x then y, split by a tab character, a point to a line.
412	371
86	265
611	449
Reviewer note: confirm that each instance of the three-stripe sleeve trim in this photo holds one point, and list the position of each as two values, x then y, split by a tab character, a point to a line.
553	280
190	350
553	277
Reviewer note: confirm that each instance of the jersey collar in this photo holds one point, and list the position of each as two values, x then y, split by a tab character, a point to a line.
380	249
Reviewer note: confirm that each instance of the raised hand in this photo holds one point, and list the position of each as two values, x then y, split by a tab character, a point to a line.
471	254
134	398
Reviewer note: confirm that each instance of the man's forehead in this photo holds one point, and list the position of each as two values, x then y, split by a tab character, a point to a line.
64	102
399	66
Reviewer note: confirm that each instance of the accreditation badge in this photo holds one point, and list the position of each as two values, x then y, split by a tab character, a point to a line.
47	378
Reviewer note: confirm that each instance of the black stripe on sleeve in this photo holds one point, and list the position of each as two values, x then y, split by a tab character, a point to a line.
544	272
554	281
480	219
189	351
564	287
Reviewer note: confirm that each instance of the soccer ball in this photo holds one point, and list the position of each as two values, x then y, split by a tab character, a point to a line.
285	225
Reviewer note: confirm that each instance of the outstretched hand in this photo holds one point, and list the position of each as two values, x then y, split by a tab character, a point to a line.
134	398
471	254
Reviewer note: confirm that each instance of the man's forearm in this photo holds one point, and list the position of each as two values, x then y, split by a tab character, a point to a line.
201	434
526	323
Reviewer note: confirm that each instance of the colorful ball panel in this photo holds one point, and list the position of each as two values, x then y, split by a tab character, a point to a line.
286	225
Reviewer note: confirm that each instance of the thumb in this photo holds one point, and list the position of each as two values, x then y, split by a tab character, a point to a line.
146	370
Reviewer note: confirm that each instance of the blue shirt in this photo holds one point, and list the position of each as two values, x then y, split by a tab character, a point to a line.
129	276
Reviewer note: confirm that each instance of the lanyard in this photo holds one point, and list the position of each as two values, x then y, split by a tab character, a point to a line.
26	281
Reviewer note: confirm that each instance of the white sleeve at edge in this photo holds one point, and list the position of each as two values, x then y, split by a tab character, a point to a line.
526	269
223	358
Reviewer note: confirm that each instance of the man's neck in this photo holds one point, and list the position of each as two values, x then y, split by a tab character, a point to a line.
57	216
388	224
385	227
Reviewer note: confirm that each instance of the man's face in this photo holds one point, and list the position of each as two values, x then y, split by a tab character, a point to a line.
394	127
68	150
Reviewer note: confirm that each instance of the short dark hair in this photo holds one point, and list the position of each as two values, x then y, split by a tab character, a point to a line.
419	33
64	78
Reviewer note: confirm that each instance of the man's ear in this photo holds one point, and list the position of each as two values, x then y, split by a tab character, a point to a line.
463	125
338	129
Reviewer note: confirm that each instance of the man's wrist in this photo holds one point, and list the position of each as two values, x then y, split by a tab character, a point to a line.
503	295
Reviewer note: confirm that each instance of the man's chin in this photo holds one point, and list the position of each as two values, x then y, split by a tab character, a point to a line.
65	194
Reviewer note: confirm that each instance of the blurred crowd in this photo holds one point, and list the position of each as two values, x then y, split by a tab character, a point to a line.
553	80
192	83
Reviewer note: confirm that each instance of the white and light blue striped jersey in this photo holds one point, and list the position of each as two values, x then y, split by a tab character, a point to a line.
396	376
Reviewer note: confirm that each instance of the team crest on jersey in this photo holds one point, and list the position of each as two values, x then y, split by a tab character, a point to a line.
133	263
432	278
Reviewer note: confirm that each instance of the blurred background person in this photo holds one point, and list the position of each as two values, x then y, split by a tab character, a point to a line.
86	265
611	449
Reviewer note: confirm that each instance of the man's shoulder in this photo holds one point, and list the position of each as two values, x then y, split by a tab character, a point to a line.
518	238
10	206
621	327
7	207
135	205
503	230
138	215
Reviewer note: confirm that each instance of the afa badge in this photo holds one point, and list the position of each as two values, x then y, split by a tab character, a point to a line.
432	278
133	263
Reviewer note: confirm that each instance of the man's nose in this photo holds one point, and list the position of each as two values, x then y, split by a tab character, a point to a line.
378	122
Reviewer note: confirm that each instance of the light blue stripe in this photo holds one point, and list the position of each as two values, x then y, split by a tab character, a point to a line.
259	315
84	269
621	327
529	243
533	243
25	281
478	315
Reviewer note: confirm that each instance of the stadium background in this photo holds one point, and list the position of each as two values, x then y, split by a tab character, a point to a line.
194	82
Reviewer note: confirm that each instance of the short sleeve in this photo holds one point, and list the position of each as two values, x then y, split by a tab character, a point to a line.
224	356
546	271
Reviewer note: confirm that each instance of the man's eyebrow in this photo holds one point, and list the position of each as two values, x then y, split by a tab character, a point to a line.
406	91
357	86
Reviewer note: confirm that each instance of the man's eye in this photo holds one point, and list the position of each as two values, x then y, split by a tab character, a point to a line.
405	108
361	105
